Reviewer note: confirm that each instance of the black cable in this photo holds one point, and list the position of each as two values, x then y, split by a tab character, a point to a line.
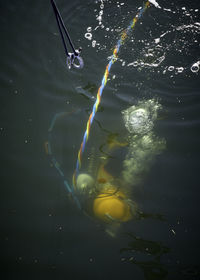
60	26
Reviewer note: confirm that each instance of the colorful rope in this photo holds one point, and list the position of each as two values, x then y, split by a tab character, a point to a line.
124	35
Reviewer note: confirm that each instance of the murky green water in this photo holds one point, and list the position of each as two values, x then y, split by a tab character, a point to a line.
43	233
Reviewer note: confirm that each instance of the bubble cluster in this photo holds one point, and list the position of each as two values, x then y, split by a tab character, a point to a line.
143	144
140	119
177	44
167	47
99	17
105	24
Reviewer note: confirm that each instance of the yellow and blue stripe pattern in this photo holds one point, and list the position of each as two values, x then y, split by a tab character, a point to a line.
121	41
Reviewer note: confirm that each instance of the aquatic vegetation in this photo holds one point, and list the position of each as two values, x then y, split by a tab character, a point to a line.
151	251
88	91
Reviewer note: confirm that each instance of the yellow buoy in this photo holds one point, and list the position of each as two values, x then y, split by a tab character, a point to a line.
110	206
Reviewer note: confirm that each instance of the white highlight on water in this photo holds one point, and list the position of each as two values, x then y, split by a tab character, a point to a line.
153	2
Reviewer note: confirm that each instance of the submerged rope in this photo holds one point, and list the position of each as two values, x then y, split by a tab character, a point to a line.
124	35
53	159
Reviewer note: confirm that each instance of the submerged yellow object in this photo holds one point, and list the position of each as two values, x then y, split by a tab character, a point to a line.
111	206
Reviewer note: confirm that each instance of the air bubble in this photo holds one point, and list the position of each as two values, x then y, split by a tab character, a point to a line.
157	40
170	68
195	67
180	69
99	18
89	29
88	36
94	43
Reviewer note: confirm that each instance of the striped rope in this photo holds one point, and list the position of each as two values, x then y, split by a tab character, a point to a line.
123	37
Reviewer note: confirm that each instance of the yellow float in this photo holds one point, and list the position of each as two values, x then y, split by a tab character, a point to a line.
111	206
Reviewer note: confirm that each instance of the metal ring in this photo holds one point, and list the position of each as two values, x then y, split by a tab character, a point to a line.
80	61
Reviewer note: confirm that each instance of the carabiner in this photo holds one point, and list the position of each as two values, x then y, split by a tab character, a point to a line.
71	59
63	32
80	63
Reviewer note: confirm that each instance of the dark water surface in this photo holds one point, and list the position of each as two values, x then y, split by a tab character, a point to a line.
43	234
